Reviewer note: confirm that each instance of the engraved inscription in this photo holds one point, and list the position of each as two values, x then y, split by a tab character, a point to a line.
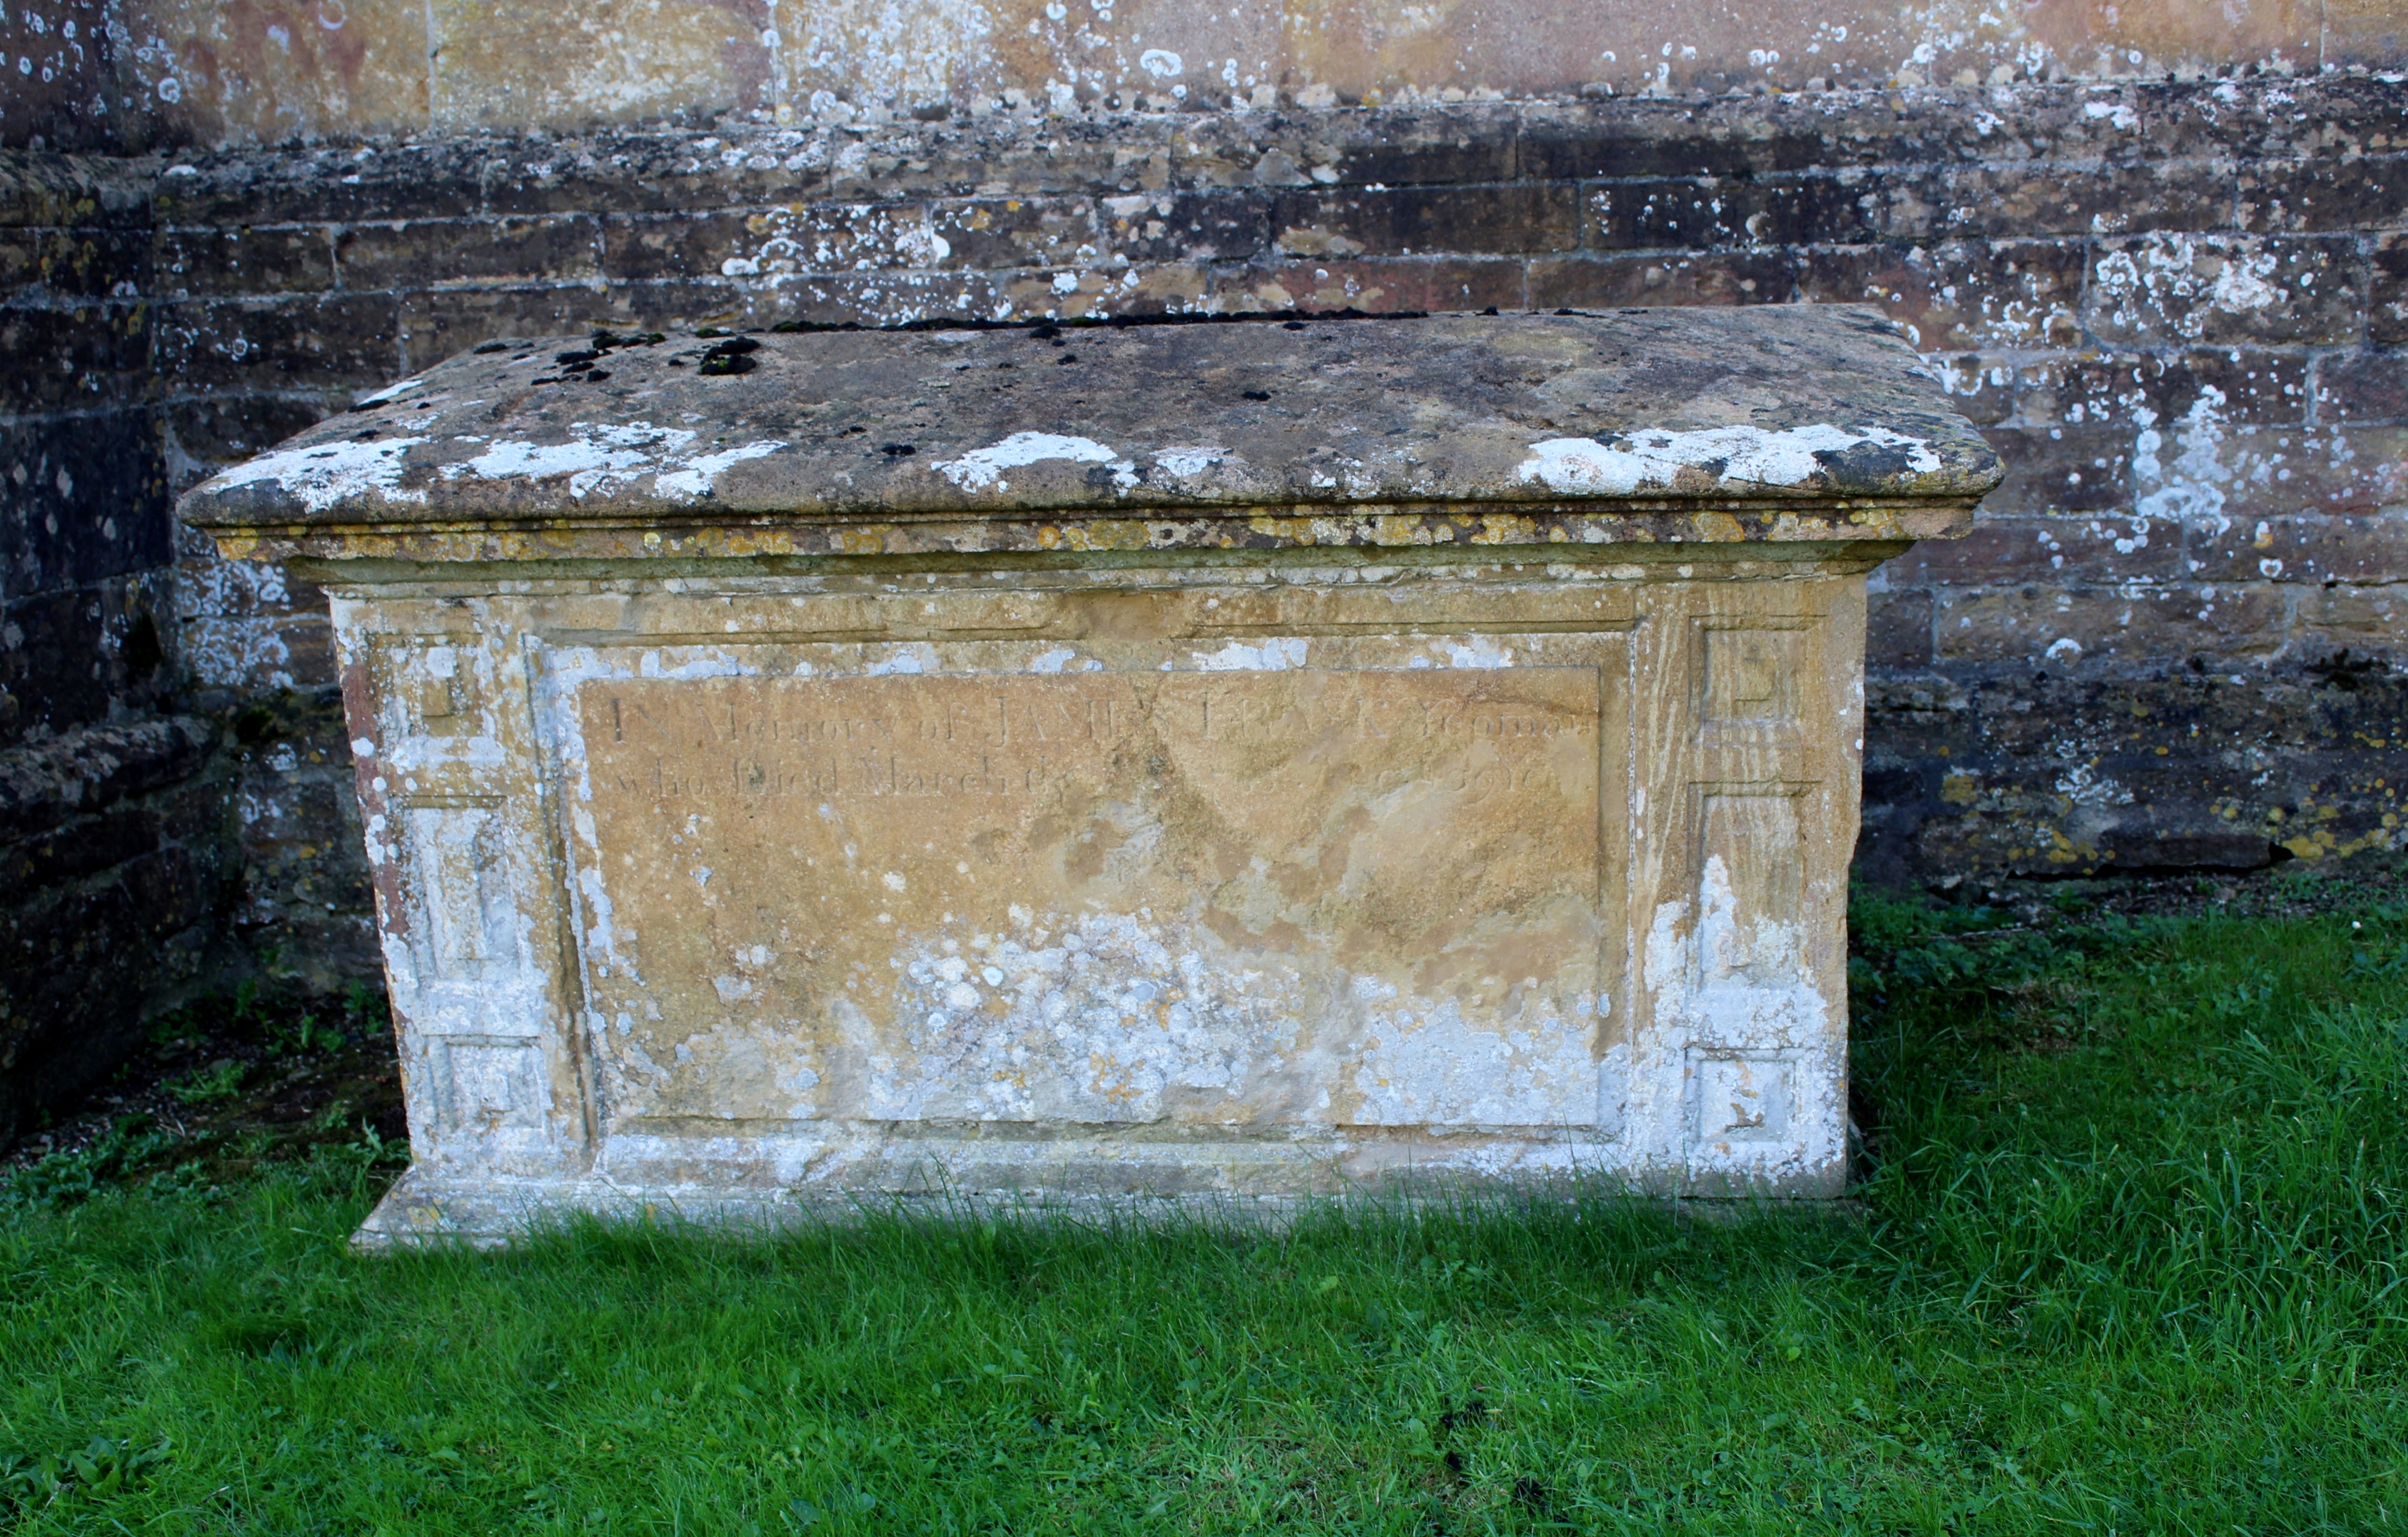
1307	897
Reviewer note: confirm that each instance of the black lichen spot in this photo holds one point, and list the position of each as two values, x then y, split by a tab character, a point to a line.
1291	325
490	347
732	356
1045	333
1258	395
712	331
2345	672
596	376
1863	462
576	360
549	379
1068	357
897	451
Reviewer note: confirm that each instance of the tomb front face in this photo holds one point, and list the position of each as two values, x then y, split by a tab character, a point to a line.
1156	832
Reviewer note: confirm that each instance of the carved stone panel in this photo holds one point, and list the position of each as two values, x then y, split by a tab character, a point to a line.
1257	898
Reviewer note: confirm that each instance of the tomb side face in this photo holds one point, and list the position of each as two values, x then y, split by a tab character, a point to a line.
1267	887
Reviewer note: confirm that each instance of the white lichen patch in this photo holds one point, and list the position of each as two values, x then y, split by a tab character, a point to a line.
1103	1018
608	460
1420	1062
1586	467
324	474
1276	655
982	469
1185	462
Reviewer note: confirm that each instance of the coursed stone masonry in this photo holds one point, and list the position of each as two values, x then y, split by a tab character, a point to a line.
2174	306
2174	309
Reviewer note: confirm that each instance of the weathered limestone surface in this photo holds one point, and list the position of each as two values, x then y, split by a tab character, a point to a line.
1249	761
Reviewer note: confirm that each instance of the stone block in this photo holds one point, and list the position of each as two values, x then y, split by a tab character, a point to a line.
1705	277
2386	297
245	260
2063	469
1897	629
305	893
2069	629
39	190
1374	285
312	341
648	247
218	74
82	961
2370	384
1396	146
2221	385
1705	212
437	253
73	655
2327	192
1563	141
82	498
1008	154
213	430
387	181
1982	385
2177	288
43	264
1006	232
2313	547
1425	221
1961	296
2363	619
897	297
1198	228
2026	550
615	60
73	358
2006	199
436	325
2258	471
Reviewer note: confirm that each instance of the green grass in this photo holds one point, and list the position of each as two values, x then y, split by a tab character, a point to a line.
2128	1258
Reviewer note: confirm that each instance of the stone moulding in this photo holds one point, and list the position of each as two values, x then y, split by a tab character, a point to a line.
1213	764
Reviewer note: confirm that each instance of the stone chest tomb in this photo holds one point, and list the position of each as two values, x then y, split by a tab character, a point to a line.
1229	760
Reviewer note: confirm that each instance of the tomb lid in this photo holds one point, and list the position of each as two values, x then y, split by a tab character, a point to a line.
1781	411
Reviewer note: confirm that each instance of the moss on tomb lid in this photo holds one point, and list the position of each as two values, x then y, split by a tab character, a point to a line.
1787	406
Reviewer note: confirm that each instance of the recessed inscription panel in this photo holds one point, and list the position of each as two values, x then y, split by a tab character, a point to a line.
1249	898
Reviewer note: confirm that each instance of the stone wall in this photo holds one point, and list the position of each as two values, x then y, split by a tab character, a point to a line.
2173	643
2174	302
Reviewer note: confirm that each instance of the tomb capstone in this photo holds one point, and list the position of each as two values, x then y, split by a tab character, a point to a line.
1231	762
